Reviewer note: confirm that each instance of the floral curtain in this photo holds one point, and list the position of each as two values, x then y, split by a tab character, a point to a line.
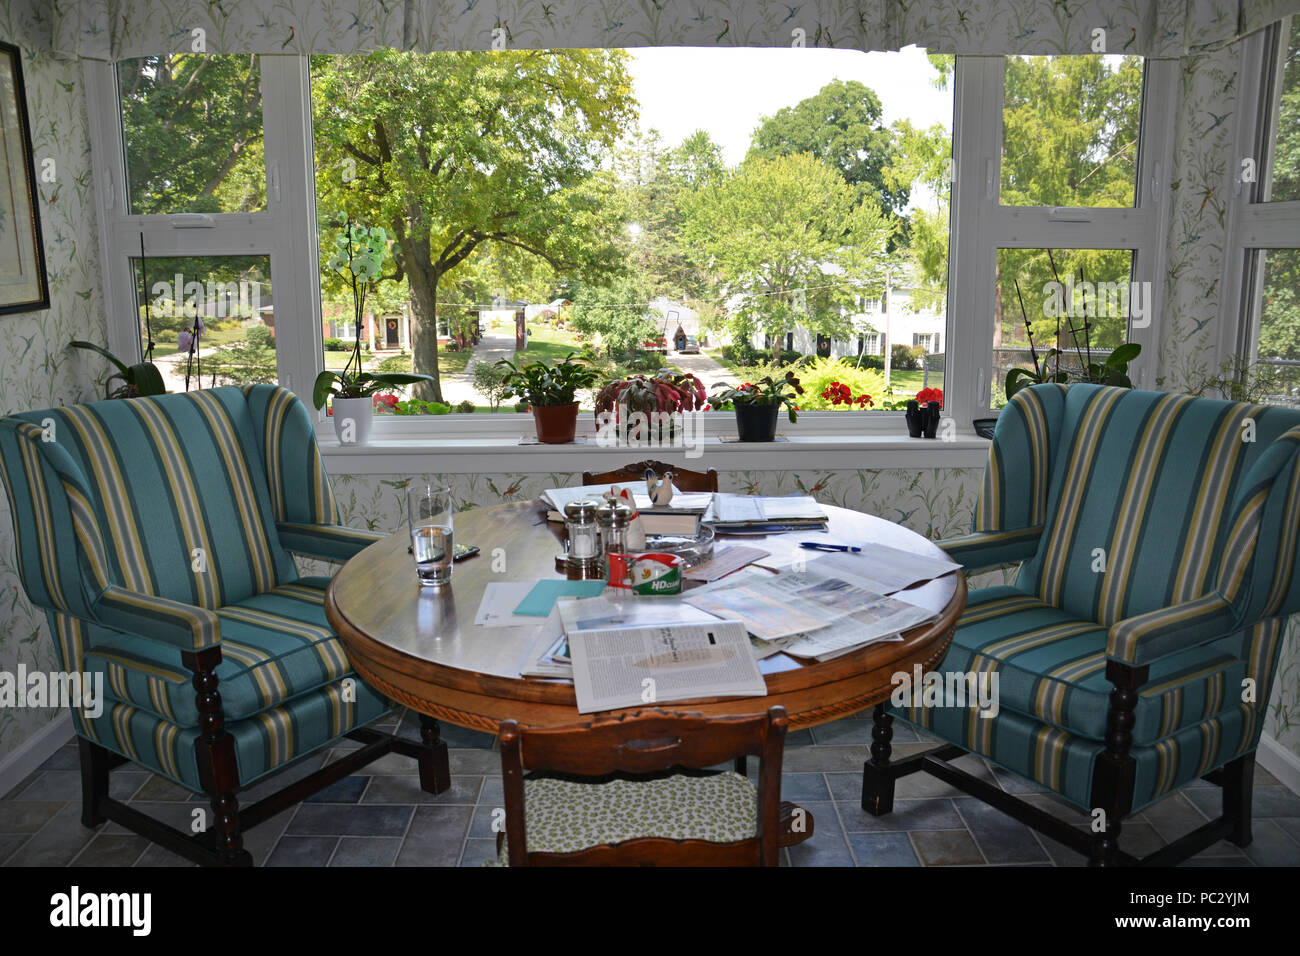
116	29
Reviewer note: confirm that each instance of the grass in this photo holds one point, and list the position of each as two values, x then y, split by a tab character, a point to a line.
207	342
449	363
548	345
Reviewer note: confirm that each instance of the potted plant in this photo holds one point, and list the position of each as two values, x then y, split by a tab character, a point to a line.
358	258
142	378
757	404
667	391
551	391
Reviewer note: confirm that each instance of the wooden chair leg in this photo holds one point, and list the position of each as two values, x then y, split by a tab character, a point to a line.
95	763
1238	782
434	763
877	774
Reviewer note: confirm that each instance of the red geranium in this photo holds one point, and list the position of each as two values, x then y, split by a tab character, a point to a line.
926	395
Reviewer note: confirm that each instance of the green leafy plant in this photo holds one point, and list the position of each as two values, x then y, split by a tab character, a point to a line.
490	382
766	391
668	390
538	383
142	378
359	258
820	374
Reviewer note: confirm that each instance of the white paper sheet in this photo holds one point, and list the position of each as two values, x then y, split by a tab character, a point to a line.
879	568
497	608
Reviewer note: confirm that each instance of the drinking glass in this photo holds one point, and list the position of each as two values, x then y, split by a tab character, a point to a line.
429	509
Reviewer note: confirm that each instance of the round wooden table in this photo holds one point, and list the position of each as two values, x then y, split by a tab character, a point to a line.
422	648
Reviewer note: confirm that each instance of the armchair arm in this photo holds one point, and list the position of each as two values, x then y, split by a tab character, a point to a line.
1148	637
986	549
329	542
184	626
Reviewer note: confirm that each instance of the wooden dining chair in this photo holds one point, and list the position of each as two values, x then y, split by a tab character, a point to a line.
683	478
631	791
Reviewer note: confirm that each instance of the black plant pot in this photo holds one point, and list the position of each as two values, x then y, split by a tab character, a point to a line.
757	422
915	416
931	415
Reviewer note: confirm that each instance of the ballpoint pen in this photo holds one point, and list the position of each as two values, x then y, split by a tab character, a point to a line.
823	546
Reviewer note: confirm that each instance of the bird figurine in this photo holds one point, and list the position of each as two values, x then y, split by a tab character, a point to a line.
659	489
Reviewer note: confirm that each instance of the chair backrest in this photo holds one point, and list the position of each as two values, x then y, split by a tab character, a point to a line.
174	488
643	743
683	478
1152	498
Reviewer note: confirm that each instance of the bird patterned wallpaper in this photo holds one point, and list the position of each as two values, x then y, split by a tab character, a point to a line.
37	370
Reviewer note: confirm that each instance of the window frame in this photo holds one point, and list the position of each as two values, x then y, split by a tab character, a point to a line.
1254	224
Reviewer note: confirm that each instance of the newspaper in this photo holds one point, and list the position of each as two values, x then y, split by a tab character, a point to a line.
801	604
644	666
879	568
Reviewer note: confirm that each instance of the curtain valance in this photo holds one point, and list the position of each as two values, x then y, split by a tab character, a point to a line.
118	29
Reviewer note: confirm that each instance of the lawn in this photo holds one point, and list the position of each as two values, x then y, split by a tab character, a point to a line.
207	341
449	363
549	345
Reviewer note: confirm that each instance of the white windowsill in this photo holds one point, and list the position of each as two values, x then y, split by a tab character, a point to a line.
464	454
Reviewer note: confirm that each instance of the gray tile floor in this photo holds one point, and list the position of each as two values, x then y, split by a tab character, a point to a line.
382	818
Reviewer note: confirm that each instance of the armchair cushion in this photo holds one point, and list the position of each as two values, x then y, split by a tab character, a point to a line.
263	743
564	816
274	646
1051	666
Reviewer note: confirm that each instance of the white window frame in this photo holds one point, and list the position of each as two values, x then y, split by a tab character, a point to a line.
1254	223
982	225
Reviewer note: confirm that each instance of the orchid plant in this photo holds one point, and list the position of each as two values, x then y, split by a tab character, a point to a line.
359	258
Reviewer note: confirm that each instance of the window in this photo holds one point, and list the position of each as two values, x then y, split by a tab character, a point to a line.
1061	206
1265	217
192	126
672	206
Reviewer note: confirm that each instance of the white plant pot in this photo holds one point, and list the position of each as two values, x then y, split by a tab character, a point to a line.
352	418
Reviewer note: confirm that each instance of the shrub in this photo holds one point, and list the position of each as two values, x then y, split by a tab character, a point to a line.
259	336
335	345
521	407
414	406
466	407
394	363
490	382
906	358
818	375
871	361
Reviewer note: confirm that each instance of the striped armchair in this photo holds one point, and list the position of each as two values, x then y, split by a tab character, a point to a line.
1157	536
156	533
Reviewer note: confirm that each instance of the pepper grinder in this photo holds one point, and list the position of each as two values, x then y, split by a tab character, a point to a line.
583	559
614	517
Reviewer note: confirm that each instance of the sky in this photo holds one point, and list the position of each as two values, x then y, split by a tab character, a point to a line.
728	91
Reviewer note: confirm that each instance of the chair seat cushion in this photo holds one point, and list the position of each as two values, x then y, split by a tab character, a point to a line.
1052	666
563	816
274	646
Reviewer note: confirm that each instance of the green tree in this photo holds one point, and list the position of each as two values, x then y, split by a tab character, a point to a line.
616	314
842	126
794	239
457	152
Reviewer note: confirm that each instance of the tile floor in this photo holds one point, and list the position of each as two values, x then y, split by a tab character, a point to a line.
382	818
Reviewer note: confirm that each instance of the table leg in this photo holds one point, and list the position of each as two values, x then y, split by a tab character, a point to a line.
877	774
435	768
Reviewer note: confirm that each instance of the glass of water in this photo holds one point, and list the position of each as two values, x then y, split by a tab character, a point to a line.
429	508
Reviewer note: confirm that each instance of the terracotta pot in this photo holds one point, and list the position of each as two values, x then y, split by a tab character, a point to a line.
555	423
757	422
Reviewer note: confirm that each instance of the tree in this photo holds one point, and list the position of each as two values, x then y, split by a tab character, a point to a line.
616	313
842	126
458	152
794	239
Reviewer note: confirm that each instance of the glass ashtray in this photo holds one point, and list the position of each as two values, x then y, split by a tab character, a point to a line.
693	549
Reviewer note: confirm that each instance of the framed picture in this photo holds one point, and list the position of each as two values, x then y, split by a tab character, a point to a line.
23	283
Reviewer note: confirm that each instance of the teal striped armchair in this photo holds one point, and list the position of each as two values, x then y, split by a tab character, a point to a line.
157	534
1157	537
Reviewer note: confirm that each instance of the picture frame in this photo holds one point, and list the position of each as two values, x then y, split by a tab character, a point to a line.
24	283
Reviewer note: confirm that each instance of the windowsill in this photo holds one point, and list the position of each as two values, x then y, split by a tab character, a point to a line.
464	454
